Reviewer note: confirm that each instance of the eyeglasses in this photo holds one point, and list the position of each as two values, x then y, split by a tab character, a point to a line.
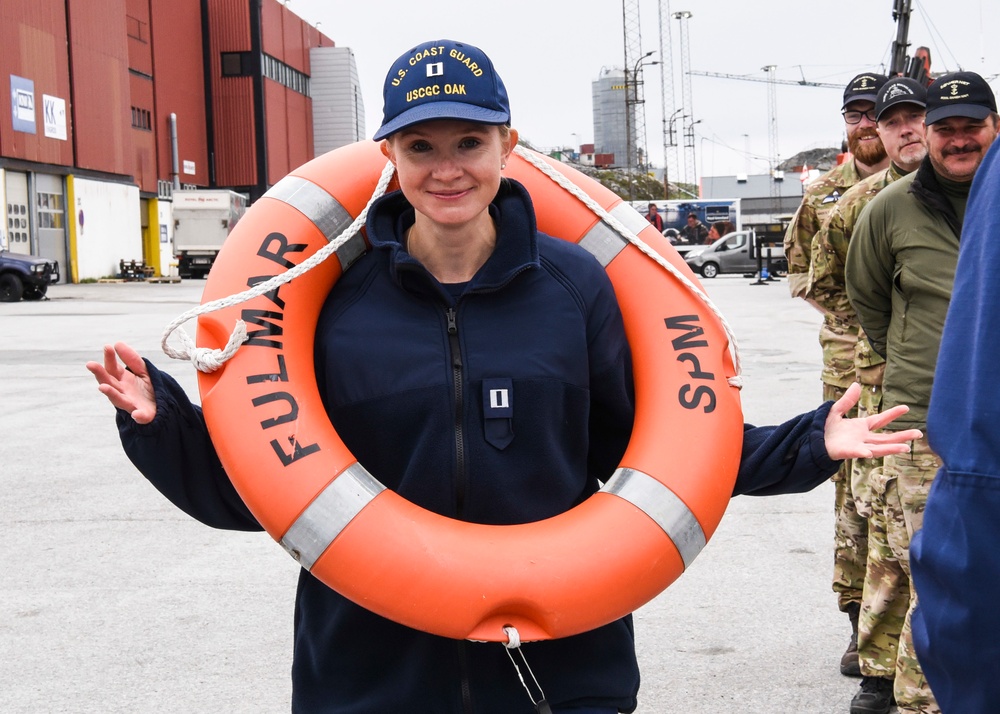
854	117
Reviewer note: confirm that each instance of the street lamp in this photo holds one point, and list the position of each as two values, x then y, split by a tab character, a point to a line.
689	133
631	102
670	125
689	147
670	134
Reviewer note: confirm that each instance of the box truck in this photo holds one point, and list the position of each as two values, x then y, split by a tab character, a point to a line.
203	219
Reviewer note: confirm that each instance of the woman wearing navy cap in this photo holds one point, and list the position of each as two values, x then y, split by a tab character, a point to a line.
458	295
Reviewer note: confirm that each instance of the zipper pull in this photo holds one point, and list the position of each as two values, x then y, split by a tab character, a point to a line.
456	348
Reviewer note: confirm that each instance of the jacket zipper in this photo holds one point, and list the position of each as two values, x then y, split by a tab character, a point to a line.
455	348
457	385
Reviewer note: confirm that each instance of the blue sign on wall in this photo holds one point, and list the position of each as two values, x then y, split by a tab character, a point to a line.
22	104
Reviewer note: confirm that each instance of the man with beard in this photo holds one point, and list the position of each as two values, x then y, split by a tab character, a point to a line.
900	271
899	117
956	626
838	337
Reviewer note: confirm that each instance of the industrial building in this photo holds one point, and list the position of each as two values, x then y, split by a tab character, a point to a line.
612	118
764	198
117	103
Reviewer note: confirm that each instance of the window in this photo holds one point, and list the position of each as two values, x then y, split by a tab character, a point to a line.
142	119
284	75
735	242
137	29
234	64
50	210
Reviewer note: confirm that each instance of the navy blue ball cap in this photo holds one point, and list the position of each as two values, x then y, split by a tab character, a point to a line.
443	79
863	88
900	90
959	94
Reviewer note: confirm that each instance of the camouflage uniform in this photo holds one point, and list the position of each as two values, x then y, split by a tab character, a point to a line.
907	480
886	591
837	337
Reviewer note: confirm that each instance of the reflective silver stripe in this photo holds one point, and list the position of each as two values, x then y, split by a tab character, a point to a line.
603	242
326	213
663	506
329	513
632	219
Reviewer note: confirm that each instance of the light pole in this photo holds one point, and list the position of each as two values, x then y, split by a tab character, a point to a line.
670	135
630	103
640	142
689	146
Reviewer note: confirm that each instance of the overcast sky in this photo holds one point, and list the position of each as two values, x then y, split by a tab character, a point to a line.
550	51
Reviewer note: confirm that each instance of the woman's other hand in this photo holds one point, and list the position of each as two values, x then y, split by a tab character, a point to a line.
861	437
126	382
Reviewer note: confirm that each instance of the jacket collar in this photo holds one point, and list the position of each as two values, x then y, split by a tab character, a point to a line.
927	190
516	248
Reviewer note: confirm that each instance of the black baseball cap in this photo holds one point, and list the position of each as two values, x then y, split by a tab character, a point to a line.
863	88
959	94
442	79
900	90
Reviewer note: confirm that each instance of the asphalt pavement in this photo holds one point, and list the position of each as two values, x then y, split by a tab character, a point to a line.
112	600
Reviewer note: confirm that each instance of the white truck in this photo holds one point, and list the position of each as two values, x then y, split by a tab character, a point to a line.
203	219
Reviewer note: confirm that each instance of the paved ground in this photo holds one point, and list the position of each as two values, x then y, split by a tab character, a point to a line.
113	601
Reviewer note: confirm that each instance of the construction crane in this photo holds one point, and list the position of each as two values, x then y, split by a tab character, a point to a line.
900	63
769	79
901	14
772	107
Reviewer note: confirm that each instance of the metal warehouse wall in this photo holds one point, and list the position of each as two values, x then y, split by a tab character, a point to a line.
179	88
140	64
144	168
288	113
338	107
289	130
137	26
101	107
33	47
232	97
121	67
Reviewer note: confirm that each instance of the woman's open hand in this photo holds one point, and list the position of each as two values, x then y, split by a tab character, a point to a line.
125	383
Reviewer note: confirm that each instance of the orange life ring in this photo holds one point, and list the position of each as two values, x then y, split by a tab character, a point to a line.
549	579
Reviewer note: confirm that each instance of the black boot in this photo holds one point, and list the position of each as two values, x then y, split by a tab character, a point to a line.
874	697
849	666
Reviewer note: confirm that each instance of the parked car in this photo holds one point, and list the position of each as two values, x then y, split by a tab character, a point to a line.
732	253
26	276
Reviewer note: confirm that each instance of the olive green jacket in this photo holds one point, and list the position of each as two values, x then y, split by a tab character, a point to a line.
900	270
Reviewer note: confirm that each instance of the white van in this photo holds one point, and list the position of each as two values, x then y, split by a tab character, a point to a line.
732	253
